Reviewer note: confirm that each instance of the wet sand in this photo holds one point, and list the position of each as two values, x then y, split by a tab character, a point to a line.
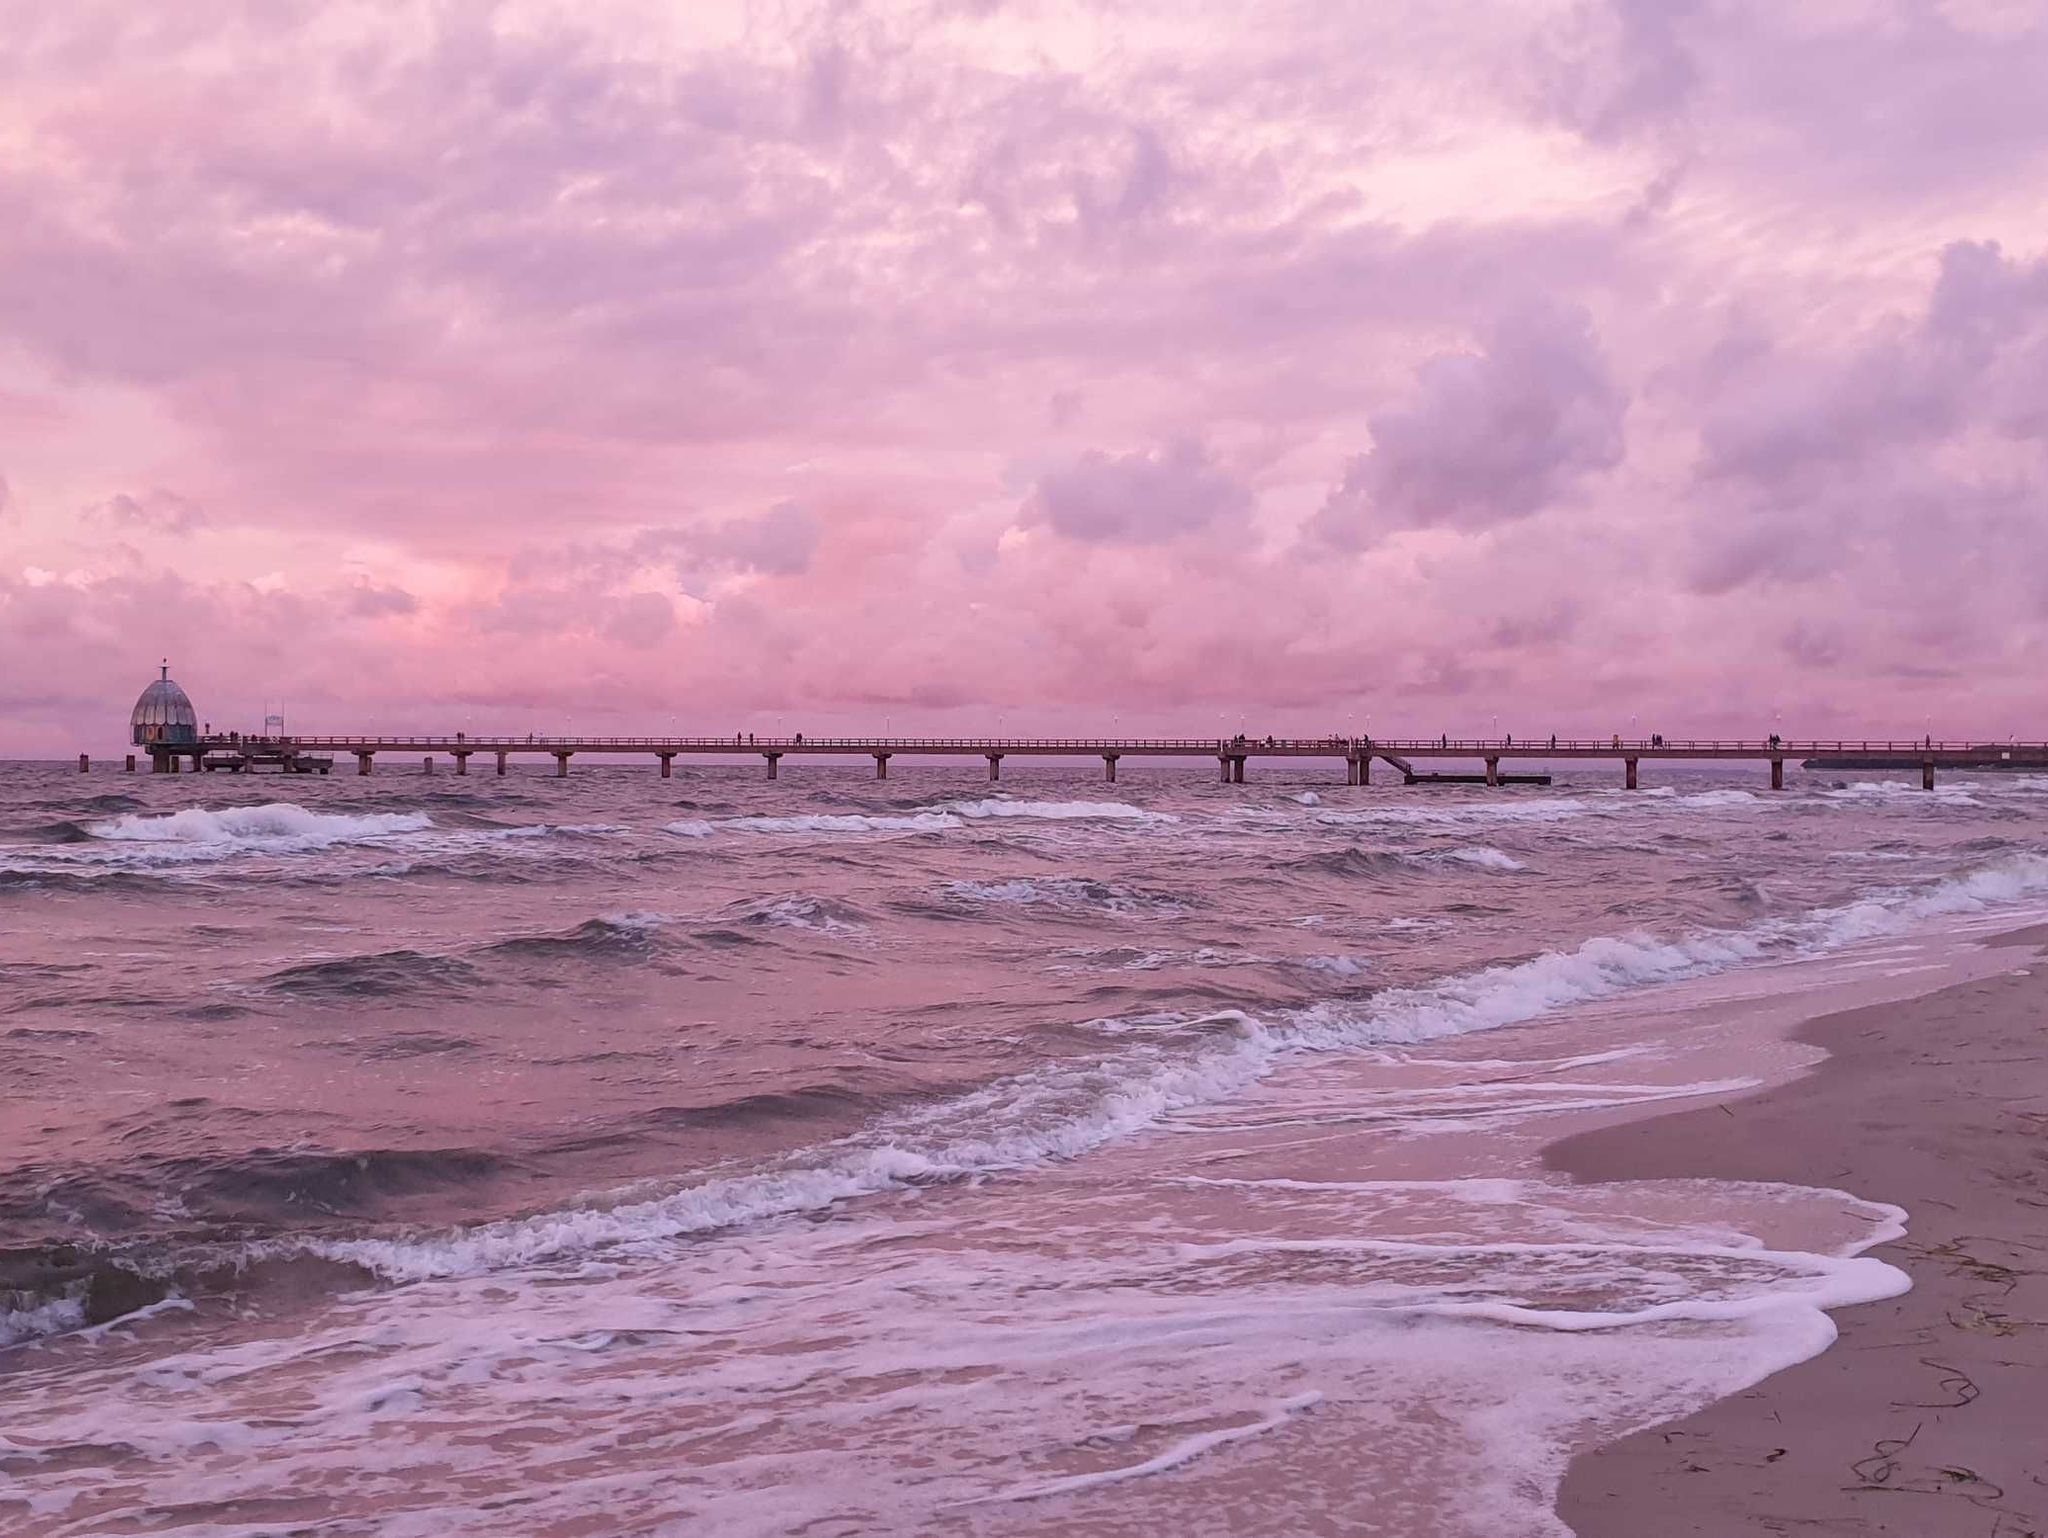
1929	1415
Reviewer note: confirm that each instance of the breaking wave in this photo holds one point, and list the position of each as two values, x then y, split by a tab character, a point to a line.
1358	862
825	915
278	826
624	936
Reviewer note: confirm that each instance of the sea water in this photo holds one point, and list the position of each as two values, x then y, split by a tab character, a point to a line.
610	1155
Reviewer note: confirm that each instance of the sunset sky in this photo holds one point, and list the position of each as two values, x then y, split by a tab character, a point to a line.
619	363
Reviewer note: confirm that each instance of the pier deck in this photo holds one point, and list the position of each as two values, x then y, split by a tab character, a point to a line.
1231	754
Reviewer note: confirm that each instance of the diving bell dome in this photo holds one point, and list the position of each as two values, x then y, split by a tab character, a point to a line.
164	714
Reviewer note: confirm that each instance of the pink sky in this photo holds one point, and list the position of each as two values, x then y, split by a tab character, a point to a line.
604	364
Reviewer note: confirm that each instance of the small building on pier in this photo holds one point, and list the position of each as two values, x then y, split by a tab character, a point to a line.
163	717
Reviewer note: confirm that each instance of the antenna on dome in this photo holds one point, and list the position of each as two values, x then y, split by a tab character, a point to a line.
166	670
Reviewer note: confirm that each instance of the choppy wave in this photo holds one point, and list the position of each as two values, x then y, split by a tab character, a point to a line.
1057	811
825	915
845	822
1066	893
1356	861
1864	792
1062	1111
614	935
383	974
1464	813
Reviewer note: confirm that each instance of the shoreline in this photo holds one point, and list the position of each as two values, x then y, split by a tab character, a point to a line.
1923	1416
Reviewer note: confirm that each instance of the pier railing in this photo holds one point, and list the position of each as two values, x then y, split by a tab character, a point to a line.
1525	747
236	752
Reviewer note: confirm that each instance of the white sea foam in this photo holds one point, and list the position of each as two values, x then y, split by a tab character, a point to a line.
53	1316
1758	1281
1480	855
1065	1110
942	818
1186	1450
1721	800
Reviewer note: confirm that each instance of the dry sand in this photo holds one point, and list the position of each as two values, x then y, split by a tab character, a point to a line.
1929	1416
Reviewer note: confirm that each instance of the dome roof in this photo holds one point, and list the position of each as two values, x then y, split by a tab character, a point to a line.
164	713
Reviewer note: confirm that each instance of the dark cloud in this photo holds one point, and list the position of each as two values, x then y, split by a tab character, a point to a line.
1488	436
1137	499
368	600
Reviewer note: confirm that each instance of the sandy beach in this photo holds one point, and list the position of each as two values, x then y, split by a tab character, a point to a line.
1929	1415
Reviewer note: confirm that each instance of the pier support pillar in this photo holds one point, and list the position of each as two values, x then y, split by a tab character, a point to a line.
363	762
774	764
561	766
1630	765
462	763
427	764
1109	767
881	766
1493	771
668	765
130	765
84	764
1777	774
501	763
1223	764
995	767
1237	770
1927	774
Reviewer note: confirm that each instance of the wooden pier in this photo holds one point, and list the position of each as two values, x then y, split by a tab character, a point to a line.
1357	755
